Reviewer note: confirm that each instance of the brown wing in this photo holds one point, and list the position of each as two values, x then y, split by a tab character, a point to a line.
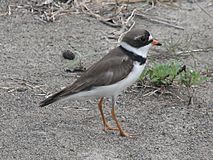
112	68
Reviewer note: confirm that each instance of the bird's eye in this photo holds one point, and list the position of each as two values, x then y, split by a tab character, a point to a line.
143	39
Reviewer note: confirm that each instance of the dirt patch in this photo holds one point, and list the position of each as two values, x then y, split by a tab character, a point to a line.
32	64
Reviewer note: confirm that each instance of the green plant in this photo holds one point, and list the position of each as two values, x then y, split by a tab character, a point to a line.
190	78
161	74
166	74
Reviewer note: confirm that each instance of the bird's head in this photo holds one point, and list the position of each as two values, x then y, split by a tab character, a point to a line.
139	41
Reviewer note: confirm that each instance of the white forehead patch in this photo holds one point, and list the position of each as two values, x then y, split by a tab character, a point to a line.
150	37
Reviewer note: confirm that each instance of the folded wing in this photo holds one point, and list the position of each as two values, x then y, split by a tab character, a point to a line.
110	69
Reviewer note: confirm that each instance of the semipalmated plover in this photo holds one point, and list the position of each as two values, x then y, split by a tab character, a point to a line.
116	71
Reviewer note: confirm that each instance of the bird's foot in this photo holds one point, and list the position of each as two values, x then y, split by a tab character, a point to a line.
126	134
110	129
107	127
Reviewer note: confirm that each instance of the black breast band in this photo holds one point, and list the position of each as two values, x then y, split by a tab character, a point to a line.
134	56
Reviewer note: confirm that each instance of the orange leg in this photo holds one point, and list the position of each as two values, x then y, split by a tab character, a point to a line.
106	125
122	132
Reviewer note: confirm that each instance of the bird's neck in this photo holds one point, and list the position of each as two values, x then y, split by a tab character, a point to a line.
142	51
133	56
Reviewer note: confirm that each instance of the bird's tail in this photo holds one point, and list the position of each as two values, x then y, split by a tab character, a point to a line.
53	98
59	95
48	101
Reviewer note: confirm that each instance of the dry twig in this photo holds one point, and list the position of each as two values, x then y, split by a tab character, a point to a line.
151	93
203	9
196	50
126	23
159	21
8	12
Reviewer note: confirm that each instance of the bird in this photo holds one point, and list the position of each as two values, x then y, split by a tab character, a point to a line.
112	74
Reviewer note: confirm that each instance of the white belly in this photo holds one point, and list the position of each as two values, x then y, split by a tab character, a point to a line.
114	89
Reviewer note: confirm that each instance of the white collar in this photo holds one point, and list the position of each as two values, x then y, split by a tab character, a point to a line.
142	51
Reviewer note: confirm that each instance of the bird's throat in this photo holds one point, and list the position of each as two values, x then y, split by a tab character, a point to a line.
133	56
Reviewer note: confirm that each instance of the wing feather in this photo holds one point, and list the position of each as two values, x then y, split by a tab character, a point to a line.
112	68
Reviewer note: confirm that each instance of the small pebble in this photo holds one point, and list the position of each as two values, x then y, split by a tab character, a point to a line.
21	89
68	55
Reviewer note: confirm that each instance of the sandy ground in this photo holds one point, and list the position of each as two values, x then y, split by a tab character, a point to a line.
31	64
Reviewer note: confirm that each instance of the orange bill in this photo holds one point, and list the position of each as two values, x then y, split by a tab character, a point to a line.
156	43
